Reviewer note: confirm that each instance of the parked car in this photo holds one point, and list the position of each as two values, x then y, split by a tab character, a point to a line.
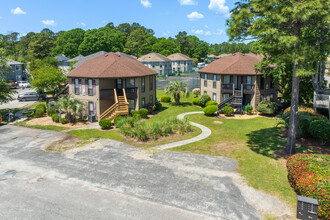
23	84
13	85
30	96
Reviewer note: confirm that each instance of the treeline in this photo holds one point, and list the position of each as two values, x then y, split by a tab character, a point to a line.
133	39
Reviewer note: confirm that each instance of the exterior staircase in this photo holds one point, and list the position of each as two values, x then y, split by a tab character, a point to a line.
121	107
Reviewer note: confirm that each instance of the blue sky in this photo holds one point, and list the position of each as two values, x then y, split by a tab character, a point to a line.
203	18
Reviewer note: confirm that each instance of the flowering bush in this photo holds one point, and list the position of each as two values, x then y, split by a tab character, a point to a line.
309	175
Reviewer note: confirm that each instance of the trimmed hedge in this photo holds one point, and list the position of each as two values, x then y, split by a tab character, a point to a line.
39	112
249	109
210	110
229	111
267	107
55	118
309	175
211	103
105	123
196	101
320	129
143	112
51	112
165	98
204	99
64	120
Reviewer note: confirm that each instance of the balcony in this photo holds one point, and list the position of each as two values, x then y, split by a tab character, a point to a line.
131	93
229	88
107	94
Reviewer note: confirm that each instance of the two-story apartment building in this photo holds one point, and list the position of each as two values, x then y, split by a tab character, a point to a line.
181	62
157	62
14	71
112	84
235	75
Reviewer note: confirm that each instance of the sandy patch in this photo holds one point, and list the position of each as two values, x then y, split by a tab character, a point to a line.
218	122
48	121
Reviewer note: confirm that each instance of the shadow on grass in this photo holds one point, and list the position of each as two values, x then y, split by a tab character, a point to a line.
266	141
182	104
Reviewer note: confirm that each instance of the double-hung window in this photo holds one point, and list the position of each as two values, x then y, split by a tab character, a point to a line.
205	80
91	108
143	84
76	86
151	82
151	100
90	87
214	97
214	81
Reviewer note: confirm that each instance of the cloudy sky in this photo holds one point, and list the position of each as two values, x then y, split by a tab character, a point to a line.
203	18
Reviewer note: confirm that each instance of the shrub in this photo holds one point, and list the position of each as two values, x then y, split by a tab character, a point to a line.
39	112
204	99
158	106
320	129
135	113
144	112
64	120
41	106
165	98
105	123
196	101
267	107
51	112
55	118
52	108
210	110
309	176
249	109
229	111
196	92
211	103
117	120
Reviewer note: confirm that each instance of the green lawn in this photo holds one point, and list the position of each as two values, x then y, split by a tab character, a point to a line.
47	127
86	134
252	143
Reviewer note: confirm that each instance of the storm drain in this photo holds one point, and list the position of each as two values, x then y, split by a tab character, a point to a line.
8	174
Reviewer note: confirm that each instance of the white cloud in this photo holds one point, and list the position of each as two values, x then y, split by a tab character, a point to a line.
166	34
18	11
195	16
219	7
206	26
207	33
82	24
188	2
49	22
199	32
146	3
220	32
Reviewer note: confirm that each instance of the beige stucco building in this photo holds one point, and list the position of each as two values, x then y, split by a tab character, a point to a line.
158	63
181	63
235	75
112	85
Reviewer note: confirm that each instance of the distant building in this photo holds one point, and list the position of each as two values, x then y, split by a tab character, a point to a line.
85	58
14	71
75	59
62	59
181	62
157	62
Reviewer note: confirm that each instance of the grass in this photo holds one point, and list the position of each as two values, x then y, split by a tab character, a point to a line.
86	134
252	143
47	127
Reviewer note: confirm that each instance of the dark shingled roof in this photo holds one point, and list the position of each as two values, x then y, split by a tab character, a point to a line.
111	65
235	64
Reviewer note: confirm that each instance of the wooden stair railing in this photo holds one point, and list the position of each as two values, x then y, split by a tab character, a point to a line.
121	107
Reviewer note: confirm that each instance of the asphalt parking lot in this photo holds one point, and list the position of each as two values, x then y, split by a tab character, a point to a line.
15	103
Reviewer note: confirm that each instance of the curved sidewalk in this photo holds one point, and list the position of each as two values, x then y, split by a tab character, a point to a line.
205	133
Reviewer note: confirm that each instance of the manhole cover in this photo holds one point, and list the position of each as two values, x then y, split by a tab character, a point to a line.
7	174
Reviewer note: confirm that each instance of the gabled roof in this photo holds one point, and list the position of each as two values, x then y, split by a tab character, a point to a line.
61	58
126	55
153	57
235	64
111	65
13	62
91	56
77	58
178	56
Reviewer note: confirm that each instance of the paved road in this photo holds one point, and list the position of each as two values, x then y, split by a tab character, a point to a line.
15	103
111	180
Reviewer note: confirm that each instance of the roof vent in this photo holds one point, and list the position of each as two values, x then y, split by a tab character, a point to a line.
105	55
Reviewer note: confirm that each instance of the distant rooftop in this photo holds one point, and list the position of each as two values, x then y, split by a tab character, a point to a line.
77	58
13	62
126	55
178	56
153	57
91	56
61	58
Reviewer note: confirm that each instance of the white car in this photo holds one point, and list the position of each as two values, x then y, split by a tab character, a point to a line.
24	84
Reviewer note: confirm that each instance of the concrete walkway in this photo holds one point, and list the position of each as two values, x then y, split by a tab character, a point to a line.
205	133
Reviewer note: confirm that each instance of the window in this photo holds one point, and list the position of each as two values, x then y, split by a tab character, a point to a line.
119	83
76	86
214	81
272	84
143	84
205	92
151	82
226	79
90	87
272	97
178	62
17	67
91	108
160	65
262	83
160	72
131	104
267	86
225	97
214	97
153	65
130	83
151	100
205	80
143	102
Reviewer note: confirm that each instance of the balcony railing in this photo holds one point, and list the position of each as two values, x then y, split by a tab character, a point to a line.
229	88
131	93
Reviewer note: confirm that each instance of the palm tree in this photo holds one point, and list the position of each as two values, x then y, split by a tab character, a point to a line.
72	107
177	89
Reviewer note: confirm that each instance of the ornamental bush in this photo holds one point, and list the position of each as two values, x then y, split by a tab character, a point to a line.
196	101
105	123
165	98
55	118
143	112
51	112
320	129
267	107
135	113
249	109
64	120
39	112
211	103
210	110
204	99
158	106
41	106
117	120
196	92
309	175
229	111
